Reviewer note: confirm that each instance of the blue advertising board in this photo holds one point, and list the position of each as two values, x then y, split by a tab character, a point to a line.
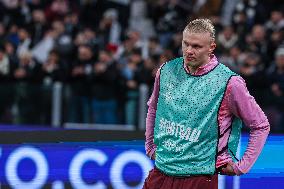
118	165
81	165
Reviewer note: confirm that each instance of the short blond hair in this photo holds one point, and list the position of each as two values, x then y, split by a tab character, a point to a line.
202	25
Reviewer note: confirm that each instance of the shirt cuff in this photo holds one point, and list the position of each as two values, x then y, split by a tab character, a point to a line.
151	153
237	171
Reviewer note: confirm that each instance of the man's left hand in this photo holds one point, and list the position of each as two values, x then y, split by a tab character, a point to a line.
228	169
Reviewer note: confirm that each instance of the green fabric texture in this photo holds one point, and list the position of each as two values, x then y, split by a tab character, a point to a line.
234	138
186	124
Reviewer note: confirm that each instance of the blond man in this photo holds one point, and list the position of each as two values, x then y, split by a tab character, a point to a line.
195	116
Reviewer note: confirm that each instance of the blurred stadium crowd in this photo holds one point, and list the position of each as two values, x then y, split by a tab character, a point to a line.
102	50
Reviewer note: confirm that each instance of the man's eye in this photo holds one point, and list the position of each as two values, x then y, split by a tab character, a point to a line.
196	46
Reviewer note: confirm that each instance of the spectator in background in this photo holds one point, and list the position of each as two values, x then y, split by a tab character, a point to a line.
146	73
41	50
256	42
275	22
53	71
38	26
134	63
57	9
274	41
11	52
206	8
274	29
80	80
24	41
71	23
165	56
170	19
249	12
91	39
226	40
276	79
131	42
109	28
28	75
241	27
154	48
12	35
104	87
13	13
139	21
7	93
175	44
2	12
253	72
87	36
25	13
63	41
233	59
2	33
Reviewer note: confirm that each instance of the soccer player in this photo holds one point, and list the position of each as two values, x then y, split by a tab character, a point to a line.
195	115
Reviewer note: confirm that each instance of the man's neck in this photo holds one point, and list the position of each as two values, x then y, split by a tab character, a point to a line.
193	69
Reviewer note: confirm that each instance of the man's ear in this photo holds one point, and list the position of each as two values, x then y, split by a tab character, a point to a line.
212	47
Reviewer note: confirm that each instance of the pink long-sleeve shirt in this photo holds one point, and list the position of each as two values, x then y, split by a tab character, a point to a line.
236	102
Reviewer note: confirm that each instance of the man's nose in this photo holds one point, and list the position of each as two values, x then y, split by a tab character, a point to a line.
189	50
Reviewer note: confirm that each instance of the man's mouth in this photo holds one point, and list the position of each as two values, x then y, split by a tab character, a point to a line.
190	58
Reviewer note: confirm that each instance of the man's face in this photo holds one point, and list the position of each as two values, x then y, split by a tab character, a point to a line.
1	55
196	48
84	53
280	61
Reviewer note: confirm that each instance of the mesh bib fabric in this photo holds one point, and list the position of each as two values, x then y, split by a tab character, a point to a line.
186	124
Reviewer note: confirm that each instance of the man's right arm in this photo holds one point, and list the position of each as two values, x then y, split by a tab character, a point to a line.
150	147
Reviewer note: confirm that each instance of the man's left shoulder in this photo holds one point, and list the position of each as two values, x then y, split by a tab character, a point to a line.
227	70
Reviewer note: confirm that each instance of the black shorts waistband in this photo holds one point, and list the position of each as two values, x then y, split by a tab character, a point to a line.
185	176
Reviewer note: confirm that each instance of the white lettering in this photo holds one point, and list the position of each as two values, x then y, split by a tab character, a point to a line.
194	135
77	163
179	130
116	170
173	146
12	165
162	124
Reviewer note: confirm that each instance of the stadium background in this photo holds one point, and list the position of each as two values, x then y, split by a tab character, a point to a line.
75	77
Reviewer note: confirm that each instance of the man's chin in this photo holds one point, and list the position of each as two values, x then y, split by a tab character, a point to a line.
191	64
